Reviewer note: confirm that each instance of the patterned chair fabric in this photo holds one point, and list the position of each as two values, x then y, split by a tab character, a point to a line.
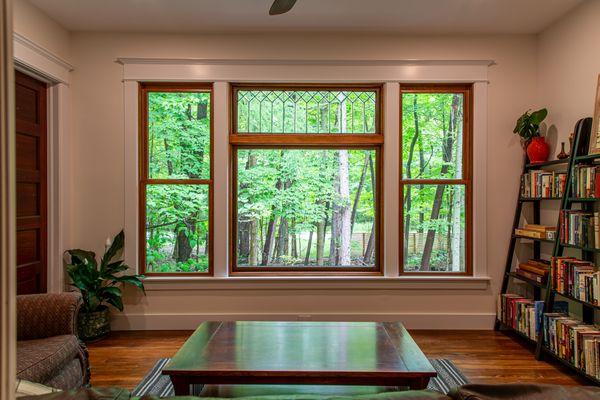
48	350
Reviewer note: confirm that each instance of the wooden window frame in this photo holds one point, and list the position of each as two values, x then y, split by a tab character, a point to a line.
467	174
144	180
367	141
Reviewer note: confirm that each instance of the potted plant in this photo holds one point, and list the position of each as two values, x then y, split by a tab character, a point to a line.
99	285
528	128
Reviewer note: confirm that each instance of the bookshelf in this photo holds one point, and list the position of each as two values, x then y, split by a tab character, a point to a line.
545	291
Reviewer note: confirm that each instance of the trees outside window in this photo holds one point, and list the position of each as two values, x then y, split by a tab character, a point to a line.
435	182
176	178
306	179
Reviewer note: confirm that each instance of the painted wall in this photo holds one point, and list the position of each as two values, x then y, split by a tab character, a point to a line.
97	104
568	68
35	25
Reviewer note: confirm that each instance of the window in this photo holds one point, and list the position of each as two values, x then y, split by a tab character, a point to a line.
435	179
176	178
306	179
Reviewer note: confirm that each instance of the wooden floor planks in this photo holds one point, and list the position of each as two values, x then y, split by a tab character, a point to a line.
123	358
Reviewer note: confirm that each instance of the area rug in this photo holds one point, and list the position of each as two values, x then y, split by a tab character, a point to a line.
157	384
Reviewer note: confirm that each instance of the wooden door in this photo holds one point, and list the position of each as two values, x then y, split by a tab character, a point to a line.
31	184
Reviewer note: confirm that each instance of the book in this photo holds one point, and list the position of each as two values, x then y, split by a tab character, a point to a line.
529	275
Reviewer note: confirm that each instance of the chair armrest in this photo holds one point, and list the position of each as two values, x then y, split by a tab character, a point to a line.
44	315
523	391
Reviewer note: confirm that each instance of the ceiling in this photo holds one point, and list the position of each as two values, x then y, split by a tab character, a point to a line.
384	16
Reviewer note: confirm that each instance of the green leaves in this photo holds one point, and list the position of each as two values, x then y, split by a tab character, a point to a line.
99	285
528	124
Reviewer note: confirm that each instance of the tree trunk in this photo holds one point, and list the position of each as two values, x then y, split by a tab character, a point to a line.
370	250
448	142
183	246
282	239
308	246
320	242
344	211
408	196
167	156
457	241
293	239
268	246
361	183
421	187
245	222
254	243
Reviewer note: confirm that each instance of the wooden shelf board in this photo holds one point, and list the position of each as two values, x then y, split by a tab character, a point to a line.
572	246
516	332
527	280
569	365
588	157
535	239
582	199
582	302
524	199
564	161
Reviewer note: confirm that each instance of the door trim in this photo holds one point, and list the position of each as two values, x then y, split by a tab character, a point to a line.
42	65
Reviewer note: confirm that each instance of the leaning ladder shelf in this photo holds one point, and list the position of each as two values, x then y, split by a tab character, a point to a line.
545	290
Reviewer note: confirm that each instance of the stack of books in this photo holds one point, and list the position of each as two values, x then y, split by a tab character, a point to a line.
536	270
522	314
579	228
586	181
543	184
535	231
573	341
576	278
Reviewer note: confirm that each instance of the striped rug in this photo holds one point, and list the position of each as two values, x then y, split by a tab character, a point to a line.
157	384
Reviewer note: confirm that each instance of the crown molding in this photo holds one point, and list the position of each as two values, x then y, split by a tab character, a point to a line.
35	58
316	62
309	70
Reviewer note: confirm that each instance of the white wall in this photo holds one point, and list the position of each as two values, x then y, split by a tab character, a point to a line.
97	109
568	68
35	25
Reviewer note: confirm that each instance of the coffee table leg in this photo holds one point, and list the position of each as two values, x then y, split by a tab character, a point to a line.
181	386
419	383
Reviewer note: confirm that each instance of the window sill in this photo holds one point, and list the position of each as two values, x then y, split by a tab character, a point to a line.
178	283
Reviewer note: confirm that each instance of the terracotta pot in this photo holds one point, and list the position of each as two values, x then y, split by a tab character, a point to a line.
538	150
94	326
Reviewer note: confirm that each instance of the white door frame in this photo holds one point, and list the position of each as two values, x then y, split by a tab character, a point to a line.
43	65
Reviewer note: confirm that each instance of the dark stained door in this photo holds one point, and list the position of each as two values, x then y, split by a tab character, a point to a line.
31	182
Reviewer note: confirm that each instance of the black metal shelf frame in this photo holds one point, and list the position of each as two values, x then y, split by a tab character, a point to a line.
583	126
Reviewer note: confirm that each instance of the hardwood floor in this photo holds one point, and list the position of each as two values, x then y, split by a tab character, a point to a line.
483	356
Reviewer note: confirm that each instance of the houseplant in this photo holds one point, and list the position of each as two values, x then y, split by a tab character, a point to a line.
99	285
528	128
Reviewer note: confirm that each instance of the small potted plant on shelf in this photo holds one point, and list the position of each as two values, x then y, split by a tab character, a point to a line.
528	128
99	285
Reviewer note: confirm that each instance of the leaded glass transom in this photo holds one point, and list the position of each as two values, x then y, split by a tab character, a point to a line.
306	111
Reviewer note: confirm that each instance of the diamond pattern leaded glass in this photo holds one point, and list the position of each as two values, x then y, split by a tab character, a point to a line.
306	111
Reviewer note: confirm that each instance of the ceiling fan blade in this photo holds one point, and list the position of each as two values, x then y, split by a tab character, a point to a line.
281	6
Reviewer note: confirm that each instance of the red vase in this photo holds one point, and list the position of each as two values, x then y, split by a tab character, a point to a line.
538	150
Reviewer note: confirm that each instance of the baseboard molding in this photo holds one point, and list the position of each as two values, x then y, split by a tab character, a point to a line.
469	321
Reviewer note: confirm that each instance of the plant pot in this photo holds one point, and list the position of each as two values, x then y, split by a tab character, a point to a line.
538	150
93	326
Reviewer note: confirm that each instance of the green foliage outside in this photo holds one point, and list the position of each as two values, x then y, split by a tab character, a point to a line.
434	214
304	207
177	215
291	211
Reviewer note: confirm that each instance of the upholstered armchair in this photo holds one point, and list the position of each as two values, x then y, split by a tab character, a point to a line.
48	350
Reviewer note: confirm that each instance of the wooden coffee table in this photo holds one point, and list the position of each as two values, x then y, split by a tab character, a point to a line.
299	353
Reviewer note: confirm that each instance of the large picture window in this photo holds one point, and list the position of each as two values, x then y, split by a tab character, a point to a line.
306	179
176	178
435	179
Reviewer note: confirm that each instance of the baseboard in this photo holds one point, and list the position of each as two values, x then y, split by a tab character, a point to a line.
453	321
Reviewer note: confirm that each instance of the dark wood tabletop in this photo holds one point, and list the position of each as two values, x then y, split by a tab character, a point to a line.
306	353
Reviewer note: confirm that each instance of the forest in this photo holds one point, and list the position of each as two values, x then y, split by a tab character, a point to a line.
299	208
